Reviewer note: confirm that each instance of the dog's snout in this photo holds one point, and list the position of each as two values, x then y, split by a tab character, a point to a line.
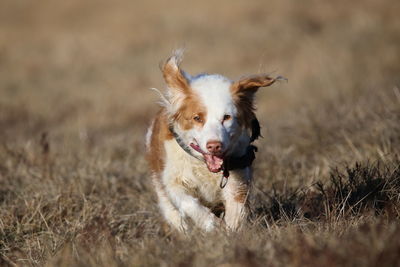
214	146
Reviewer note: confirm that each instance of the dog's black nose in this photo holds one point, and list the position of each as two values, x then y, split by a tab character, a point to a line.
214	146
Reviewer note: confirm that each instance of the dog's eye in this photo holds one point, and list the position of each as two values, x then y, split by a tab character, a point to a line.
226	117
197	118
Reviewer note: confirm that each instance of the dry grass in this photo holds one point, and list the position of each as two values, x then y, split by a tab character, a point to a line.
74	106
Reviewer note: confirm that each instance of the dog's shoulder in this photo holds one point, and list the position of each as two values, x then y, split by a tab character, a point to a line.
157	134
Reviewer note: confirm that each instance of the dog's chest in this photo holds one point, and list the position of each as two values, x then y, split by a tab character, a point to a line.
183	169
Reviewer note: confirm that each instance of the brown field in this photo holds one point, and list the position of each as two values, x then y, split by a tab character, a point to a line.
75	104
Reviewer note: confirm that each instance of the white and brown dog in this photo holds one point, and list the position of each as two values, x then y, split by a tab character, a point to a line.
199	146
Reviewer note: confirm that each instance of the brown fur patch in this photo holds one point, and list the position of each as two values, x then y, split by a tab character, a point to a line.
245	108
191	107
174	76
243	93
160	133
241	194
252	83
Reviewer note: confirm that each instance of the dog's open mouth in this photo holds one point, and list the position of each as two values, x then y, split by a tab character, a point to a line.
214	162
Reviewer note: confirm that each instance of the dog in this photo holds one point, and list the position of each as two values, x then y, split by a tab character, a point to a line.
199	147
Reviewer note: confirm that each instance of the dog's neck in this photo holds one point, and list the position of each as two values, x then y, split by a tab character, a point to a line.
180	142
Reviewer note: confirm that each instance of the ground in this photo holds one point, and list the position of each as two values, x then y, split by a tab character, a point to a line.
75	104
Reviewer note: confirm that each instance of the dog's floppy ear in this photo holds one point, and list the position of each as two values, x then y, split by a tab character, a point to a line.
175	78
243	92
249	85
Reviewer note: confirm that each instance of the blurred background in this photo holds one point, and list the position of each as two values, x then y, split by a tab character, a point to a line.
80	67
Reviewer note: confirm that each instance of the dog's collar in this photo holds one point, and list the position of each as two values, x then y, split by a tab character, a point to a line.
230	163
180	142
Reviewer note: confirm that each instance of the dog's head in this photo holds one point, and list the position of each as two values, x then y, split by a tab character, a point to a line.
210	113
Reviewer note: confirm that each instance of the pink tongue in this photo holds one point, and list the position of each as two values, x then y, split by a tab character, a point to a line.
214	163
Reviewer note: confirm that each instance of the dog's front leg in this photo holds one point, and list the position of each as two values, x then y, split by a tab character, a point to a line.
190	206
235	195
170	212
